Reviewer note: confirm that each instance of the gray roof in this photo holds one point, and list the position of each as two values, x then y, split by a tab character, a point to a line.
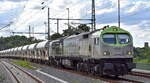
15	49
42	44
19	48
32	46
25	47
12	49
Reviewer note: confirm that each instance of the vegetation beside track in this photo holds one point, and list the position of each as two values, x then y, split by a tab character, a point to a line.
1	78
25	64
142	55
143	66
16	41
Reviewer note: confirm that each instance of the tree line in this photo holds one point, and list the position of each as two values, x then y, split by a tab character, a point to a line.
142	55
70	31
16	41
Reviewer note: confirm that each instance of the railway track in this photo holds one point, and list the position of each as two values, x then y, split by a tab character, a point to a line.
141	74
107	79
20	76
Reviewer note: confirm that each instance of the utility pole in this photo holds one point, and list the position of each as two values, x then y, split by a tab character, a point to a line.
119	13
33	31
48	24
57	25
68	18
29	31
60	19
93	16
45	29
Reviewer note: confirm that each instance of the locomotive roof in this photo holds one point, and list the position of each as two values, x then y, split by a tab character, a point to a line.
85	33
97	32
114	29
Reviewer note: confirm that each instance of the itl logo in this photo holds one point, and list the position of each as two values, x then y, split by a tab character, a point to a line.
117	48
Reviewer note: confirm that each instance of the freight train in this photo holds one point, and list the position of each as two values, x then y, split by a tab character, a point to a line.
106	51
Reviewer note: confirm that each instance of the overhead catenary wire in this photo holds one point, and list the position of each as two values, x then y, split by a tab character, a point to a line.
103	18
31	16
11	22
17	19
26	20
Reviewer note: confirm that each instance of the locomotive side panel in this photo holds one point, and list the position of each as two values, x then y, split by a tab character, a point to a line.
84	47
71	46
95	45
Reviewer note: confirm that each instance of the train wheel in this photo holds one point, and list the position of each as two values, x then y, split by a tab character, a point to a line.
116	76
98	70
80	67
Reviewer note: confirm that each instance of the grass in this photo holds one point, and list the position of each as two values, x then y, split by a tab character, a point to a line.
143	66
1	78
25	64
142	63
146	61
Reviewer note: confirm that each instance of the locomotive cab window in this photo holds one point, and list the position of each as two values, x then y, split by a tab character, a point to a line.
109	38
96	41
123	38
85	36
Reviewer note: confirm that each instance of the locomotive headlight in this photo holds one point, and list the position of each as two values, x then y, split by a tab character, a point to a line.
129	53
106	53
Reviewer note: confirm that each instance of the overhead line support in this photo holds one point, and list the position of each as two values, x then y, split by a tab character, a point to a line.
67	19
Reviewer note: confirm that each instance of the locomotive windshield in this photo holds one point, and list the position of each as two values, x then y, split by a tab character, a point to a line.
116	38
109	38
123	38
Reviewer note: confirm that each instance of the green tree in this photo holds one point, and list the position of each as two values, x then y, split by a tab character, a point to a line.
56	36
79	29
69	32
146	53
16	41
142	54
83	28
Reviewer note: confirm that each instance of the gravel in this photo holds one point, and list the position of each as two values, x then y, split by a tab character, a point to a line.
4	75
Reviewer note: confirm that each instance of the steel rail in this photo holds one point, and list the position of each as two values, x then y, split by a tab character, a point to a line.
27	73
141	74
104	78
17	80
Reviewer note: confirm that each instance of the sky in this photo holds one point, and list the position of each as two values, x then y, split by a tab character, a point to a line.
17	15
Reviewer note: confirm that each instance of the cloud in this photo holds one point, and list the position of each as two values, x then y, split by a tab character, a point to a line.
140	35
9	5
9	11
132	12
33	15
134	15
13	0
